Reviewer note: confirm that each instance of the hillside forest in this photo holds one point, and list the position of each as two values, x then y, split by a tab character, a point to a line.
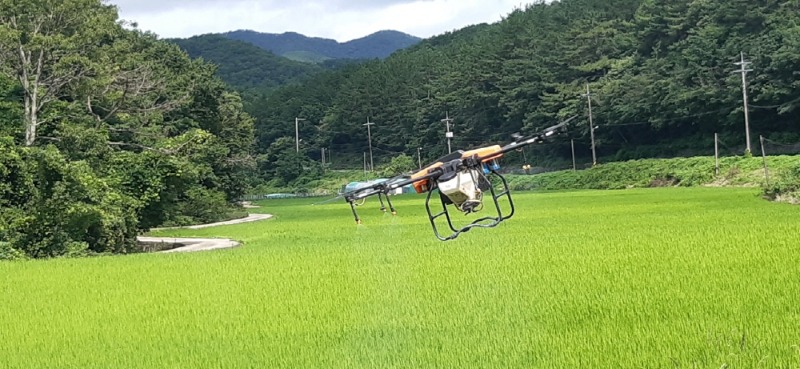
106	131
661	77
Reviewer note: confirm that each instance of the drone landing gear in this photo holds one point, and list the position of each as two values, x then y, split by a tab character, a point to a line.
354	203
388	201
471	206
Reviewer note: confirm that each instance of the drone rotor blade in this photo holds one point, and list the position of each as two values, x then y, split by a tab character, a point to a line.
549	131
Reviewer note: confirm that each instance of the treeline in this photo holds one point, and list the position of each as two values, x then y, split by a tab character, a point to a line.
107	131
660	73
378	45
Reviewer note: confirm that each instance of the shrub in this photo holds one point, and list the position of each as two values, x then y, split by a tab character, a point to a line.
70	211
7	252
399	164
786	186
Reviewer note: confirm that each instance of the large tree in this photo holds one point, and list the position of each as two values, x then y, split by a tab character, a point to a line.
47	45
119	132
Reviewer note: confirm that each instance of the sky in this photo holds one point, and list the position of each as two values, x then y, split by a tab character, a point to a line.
342	20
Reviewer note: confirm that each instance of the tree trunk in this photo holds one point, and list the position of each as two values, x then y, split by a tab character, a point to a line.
31	121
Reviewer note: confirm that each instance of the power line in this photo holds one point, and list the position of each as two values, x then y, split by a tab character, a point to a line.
377	148
668	120
782	143
775	106
351	147
732	151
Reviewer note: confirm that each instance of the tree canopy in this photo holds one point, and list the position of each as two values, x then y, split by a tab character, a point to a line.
245	66
660	73
106	131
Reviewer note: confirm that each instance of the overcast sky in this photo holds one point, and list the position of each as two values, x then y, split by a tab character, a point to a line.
342	20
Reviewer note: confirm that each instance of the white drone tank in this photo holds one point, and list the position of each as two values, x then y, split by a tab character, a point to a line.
463	189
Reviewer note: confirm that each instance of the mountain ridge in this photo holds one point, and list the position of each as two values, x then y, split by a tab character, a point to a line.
243	65
378	45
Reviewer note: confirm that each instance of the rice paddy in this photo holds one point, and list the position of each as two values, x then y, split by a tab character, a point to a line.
650	278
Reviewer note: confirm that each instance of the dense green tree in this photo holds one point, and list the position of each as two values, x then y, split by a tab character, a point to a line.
660	74
60	207
286	166
48	45
399	164
245	66
107	131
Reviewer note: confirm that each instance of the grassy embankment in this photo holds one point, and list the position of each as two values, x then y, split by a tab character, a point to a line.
685	172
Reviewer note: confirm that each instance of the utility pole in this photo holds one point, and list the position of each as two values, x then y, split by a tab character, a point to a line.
323	158
716	154
743	70
297	132
449	134
574	162
524	156
588	97
369	134
419	157
328	155
764	156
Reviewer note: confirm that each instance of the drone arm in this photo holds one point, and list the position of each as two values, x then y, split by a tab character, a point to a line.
421	179
391	185
485	153
530	140
361	194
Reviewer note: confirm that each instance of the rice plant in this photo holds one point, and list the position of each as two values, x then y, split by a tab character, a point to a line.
646	278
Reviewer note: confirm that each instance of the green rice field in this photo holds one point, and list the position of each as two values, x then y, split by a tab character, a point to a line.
645	278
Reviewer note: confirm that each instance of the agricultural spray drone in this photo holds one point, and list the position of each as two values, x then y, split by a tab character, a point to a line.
461	180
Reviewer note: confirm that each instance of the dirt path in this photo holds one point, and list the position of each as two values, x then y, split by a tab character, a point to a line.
199	244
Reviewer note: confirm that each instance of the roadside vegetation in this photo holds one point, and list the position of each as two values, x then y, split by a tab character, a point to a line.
684	172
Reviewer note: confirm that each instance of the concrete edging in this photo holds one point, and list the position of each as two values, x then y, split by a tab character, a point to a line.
200	244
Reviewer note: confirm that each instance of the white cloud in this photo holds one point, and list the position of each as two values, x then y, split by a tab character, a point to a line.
338	19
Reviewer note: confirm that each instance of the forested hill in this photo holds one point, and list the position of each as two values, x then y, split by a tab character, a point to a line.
299	47
107	131
660	74
246	66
